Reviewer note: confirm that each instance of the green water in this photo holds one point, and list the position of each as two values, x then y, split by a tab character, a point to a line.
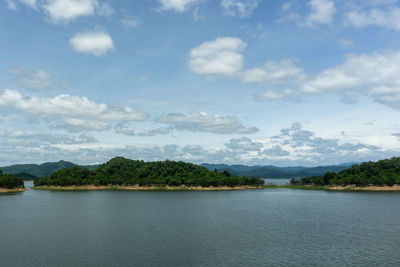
273	227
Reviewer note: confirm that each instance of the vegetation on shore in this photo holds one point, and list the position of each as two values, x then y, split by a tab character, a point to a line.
381	173
9	181
347	188
143	188
125	172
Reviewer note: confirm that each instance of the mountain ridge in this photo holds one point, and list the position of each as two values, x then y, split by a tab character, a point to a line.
33	171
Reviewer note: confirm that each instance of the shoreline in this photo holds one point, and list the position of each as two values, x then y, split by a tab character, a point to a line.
11	190
348	188
144	188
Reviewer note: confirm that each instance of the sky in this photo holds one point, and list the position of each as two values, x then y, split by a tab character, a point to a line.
255	82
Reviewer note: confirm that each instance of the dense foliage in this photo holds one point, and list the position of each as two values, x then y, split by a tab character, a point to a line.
383	172
10	181
275	172
121	171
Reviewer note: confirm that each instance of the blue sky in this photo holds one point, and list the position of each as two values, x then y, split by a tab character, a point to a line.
310	82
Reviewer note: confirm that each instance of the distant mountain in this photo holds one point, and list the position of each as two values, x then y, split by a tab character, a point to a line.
33	171
277	172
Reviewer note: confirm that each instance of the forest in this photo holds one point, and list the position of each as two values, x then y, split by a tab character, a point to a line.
383	172
10	181
121	171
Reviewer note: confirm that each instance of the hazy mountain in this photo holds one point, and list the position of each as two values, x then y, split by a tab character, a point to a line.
277	172
32	171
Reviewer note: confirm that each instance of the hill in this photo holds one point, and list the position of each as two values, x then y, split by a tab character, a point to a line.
121	171
276	172
382	172
10	181
32	171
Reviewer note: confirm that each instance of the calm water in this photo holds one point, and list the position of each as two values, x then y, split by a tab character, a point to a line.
274	227
280	181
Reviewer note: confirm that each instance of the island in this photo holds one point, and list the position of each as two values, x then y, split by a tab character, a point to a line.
10	183
383	175
125	174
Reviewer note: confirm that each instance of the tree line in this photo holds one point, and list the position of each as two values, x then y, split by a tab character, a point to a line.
383	172
121	171
10	181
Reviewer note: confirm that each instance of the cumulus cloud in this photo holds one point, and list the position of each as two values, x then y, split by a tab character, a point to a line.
37	80
21	138
373	74
306	142
293	146
125	129
276	151
222	57
97	43
389	18
218	57
59	11
66	10
273	71
155	131
240	8
203	122
177	5
244	144
78	113
322	12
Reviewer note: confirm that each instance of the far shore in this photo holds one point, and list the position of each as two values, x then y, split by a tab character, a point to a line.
349	188
11	190
144	188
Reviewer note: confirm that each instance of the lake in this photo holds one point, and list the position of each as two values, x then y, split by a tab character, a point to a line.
272	227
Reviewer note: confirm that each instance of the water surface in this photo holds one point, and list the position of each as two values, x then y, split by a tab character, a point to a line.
273	227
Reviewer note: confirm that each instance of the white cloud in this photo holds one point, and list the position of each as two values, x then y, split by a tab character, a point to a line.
66	10
11	5
21	138
240	8
125	129
322	12
244	144
273	95
293	146
222	57
272	71
389	18
131	22
375	74
218	57
203	122
73	112
156	131
38	80
177	5
95	43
